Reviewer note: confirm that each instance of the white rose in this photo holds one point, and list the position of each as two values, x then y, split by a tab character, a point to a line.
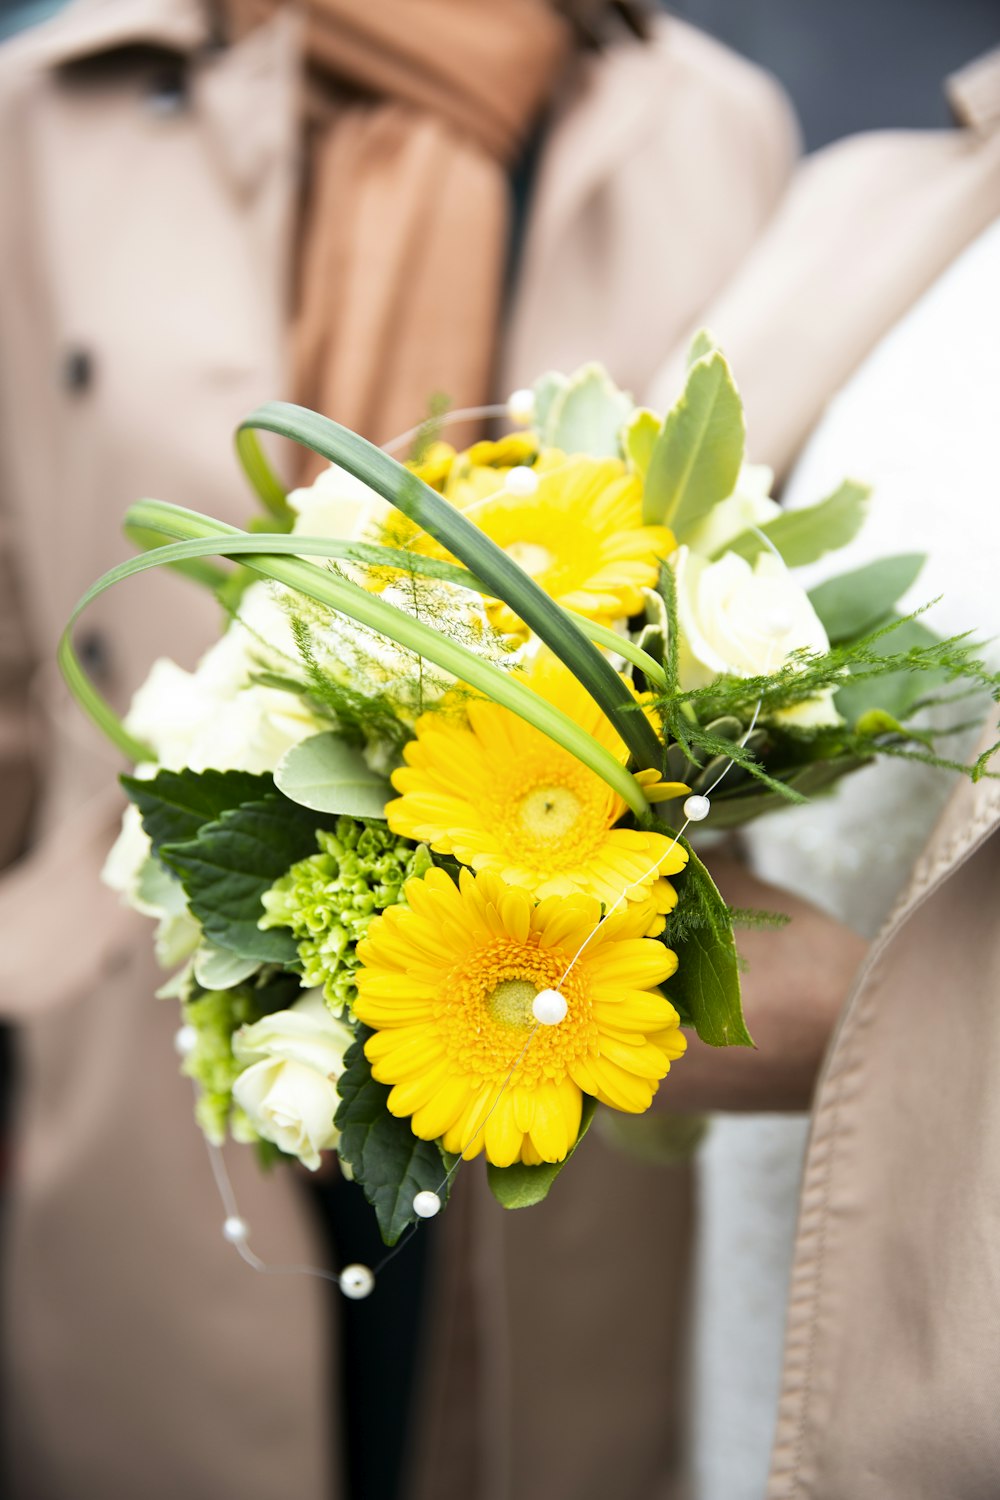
337	505
289	1090
750	504
216	716
147	887
743	620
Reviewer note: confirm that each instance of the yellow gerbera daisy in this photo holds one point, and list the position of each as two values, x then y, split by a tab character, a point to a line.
477	472
501	796
447	981
579	535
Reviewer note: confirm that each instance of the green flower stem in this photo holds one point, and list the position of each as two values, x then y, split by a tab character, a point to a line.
327	588
503	578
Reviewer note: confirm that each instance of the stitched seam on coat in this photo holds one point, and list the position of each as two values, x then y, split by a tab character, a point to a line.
807	1284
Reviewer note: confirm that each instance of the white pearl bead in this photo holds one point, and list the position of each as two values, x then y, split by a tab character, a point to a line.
185	1040
357	1282
235	1229
522	480
549	1007
521	407
697	809
426	1204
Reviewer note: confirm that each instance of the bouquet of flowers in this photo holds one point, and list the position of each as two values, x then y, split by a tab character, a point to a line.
414	831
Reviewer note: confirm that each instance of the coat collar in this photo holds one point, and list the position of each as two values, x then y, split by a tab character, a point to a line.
247	94
87	28
612	100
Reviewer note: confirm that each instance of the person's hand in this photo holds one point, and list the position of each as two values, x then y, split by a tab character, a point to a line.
795	985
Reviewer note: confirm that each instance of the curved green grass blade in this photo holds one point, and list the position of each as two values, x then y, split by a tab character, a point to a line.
622	646
216	538
149	518
503	577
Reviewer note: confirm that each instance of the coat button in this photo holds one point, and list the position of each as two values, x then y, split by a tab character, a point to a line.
166	91
94	653
77	373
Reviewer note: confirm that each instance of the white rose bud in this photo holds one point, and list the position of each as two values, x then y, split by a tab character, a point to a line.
750	504
289	1090
745	620
337	504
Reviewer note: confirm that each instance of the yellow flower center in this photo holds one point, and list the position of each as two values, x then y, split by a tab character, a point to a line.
549	812
485	1018
534	559
511	1002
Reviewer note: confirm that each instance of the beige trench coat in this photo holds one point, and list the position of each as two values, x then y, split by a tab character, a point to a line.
892	1352
148	183
891	1356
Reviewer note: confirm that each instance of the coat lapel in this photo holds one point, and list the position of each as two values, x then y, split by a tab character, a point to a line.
88	28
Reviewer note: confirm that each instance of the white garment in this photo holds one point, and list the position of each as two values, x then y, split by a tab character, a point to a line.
920	422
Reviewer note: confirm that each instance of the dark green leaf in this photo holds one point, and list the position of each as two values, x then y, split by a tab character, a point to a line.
853	603
802	536
707	982
521	1186
389	1162
175	804
228	866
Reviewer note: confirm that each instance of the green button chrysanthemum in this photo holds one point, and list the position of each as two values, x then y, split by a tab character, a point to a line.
329	899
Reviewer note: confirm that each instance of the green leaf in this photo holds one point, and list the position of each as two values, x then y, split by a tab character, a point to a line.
175	804
587	414
231	862
703	343
706	986
219	969
802	536
853	603
696	460
389	1162
520	1186
876	721
639	436
546	388
330	776
896	693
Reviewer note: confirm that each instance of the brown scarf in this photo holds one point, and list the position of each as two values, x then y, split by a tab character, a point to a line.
417	107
